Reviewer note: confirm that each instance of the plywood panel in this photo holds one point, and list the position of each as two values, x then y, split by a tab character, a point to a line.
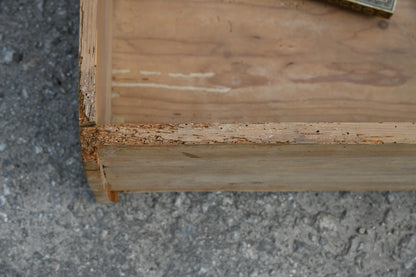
260	61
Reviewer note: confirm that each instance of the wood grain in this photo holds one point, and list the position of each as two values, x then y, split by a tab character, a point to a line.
259	167
268	133
87	61
94	81
261	61
104	61
97	184
206	95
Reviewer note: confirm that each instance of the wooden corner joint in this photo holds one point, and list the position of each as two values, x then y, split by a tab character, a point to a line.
94	169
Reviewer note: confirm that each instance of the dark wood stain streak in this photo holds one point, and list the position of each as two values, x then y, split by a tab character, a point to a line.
192	156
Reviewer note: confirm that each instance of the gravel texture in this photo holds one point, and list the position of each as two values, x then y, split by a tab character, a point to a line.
51	226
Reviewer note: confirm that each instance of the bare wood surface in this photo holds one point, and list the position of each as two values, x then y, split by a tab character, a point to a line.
95	75
104	61
267	133
87	61
97	184
93	138
272	73
261	61
259	167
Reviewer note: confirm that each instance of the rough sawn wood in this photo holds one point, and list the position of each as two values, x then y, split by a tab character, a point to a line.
245	95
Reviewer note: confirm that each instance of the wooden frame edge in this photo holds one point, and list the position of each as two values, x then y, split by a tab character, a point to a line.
87	62
89	107
104	61
94	138
96	131
260	167
98	184
256	133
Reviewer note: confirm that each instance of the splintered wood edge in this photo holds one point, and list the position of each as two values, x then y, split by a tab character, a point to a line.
95	137
87	104
87	61
95	62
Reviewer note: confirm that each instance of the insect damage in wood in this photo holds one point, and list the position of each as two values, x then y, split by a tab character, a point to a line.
160	91
87	61
92	138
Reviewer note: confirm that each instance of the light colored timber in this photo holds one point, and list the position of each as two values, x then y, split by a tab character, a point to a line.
98	184
268	133
87	60
95	41
95	139
259	167
329	94
104	61
95	51
261	61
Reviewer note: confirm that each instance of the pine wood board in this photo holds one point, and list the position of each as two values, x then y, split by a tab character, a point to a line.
259	167
260	61
157	75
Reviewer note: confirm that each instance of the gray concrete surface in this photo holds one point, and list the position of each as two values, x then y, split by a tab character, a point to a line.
51	226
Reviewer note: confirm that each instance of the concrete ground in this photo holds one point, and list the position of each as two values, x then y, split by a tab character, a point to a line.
51	226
